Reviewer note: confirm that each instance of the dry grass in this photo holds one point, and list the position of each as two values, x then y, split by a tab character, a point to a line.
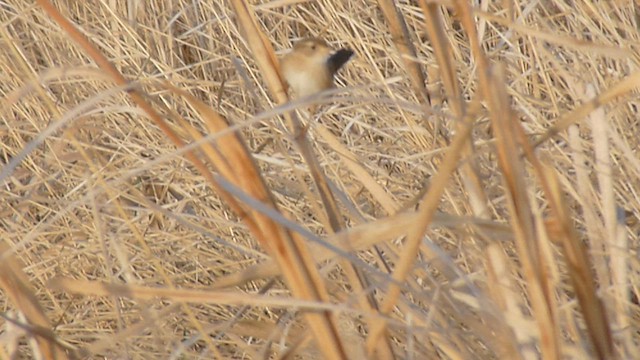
469	191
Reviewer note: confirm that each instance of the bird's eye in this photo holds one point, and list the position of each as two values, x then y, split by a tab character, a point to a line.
313	47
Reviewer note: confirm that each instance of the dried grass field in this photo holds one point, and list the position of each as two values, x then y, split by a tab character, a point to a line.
469	190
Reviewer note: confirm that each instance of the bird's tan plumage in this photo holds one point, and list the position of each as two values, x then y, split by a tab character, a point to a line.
310	66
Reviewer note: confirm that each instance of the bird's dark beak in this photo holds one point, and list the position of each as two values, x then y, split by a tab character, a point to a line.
338	59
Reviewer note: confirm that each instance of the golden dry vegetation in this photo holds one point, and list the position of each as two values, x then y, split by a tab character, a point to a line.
469	190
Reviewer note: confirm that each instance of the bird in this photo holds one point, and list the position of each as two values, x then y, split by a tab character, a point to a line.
309	68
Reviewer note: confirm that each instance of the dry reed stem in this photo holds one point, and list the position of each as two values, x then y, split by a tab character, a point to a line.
15	284
492	86
619	90
231	158
584	187
583	281
415	233
404	43
520	209
580	272
443	52
106	66
519	206
265	57
500	289
92	288
604	169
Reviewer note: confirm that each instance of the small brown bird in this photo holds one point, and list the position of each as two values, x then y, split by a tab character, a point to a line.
310	66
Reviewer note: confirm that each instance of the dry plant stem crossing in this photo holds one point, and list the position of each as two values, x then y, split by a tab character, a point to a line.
415	235
322	324
493	91
404	43
492	83
616	91
443	52
15	285
580	272
472	182
263	51
108	67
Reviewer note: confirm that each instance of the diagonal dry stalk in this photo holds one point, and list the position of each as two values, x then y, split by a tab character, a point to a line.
232	160
539	289
493	91
404	43
267	62
522	218
15	284
619	90
429	205
579	269
443	52
461	146
288	249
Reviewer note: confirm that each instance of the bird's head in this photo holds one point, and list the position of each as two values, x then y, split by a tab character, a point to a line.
314	48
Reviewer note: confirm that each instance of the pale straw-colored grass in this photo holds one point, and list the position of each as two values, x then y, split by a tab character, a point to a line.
469	191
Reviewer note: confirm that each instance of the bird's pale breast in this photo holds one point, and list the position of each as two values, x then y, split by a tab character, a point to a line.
307	80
